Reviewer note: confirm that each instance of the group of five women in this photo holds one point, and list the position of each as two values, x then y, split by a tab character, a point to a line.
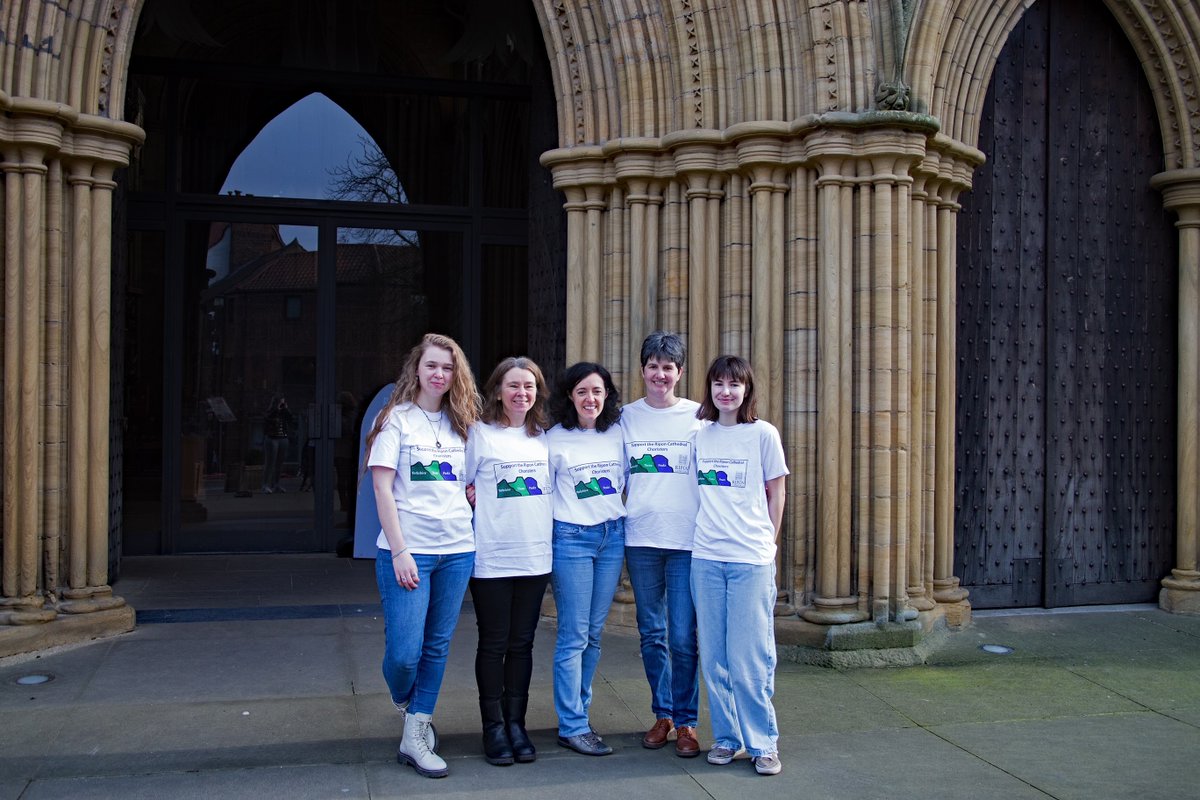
482	492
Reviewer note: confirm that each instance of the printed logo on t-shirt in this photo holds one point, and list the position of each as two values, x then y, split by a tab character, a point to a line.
596	479
654	457
730	472
434	464
521	478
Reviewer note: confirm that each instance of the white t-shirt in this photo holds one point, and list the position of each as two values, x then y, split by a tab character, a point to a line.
661	493
513	507
588	470
429	489
733	465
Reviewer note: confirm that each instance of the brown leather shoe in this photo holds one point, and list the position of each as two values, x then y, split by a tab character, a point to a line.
686	745
656	737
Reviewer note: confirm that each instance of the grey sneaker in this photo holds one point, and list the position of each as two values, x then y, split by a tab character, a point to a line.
587	743
768	764
721	755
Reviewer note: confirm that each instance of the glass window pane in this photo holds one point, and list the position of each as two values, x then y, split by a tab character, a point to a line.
504	322
506	157
393	286
142	446
248	404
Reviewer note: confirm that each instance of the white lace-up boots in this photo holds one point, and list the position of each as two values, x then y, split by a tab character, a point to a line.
431	737
415	750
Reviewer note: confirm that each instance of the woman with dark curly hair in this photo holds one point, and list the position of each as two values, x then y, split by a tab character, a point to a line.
587	466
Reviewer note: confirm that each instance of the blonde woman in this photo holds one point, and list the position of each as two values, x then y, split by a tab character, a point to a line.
416	452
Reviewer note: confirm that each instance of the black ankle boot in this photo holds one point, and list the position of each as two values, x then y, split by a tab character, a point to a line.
514	723
497	749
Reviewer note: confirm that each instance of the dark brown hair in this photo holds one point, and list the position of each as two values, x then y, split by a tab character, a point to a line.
493	407
729	368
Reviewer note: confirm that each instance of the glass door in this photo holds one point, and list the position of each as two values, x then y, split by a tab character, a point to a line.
248	388
393	285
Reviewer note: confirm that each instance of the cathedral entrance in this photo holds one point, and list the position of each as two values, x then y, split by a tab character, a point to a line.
321	184
1067	353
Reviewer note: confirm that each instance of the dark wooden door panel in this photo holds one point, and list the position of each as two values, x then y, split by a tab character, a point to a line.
1066	333
1000	479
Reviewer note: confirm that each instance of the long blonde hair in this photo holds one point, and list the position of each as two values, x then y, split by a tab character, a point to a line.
461	401
493	406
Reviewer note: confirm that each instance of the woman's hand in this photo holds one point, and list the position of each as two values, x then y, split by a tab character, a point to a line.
405	569
471	494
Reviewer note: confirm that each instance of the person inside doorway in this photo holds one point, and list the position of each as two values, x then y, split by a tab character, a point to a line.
277	426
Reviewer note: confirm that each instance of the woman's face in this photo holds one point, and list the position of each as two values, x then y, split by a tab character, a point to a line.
728	394
660	378
588	397
518	391
435	371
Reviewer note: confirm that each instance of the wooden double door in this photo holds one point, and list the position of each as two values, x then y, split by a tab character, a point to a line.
1066	333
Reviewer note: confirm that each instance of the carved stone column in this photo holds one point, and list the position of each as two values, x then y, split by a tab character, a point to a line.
952	164
58	168
833	601
579	173
1181	589
24	168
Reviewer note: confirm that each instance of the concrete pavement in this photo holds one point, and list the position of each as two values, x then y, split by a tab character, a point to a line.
258	677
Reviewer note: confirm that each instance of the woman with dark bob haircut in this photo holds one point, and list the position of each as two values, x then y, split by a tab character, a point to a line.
587	465
737	370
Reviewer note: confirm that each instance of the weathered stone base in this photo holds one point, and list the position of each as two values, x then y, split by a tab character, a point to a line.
65	629
867	644
857	644
1179	601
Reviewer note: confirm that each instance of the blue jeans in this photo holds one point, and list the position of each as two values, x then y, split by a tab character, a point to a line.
666	620
735	606
418	624
587	566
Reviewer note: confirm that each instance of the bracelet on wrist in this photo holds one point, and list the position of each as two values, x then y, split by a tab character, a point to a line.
399	553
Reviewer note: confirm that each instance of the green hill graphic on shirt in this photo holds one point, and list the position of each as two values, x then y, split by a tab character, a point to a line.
714	477
433	471
518	487
596	487
650	463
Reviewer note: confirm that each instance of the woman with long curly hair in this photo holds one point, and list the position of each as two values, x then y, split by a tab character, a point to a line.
587	464
507	463
416	452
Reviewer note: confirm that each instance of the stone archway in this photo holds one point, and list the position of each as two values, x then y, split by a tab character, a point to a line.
756	175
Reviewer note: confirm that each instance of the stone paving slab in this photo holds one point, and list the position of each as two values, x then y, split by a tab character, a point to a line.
204	736
1156	679
312	782
825	701
989	692
872	765
1137	756
186	669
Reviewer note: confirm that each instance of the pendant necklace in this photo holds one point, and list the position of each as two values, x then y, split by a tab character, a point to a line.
437	432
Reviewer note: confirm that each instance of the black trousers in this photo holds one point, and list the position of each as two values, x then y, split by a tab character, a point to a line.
507	612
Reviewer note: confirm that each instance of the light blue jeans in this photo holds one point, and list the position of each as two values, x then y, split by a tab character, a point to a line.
666	620
735	606
418	624
587	566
